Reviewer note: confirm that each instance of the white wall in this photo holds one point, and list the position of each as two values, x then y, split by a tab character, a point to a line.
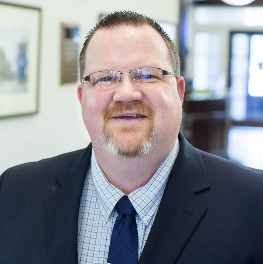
58	127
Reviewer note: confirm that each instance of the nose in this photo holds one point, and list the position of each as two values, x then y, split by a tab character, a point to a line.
127	91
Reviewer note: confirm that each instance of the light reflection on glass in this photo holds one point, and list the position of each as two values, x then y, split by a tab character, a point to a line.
249	16
239	75
206	61
255	84
254	16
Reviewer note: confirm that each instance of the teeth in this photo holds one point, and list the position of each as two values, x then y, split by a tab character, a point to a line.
123	116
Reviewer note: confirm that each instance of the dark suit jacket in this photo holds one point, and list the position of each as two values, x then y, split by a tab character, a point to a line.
211	212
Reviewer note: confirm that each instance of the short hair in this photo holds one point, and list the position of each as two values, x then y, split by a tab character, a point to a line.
119	18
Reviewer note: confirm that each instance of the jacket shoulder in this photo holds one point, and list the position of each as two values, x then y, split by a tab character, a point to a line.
211	159
40	172
231	176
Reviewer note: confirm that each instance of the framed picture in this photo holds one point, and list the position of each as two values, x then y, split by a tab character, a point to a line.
19	59
69	53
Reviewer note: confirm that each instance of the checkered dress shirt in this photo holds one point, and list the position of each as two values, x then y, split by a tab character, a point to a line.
97	214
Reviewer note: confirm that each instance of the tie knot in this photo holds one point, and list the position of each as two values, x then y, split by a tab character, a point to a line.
125	207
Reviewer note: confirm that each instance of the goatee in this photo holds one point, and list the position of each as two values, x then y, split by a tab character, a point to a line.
129	149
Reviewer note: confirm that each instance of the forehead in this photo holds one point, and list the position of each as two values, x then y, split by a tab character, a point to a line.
126	47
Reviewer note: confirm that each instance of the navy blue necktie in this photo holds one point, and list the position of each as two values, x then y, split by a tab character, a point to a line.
124	237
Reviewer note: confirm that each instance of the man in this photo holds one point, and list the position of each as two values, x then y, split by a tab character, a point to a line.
187	206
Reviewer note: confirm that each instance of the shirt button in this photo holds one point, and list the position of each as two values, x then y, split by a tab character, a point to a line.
105	216
146	218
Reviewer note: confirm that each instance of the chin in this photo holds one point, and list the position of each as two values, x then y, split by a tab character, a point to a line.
135	149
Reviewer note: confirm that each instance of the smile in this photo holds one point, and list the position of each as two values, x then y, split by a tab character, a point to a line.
132	116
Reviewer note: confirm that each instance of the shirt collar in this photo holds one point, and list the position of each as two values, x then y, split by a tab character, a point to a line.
145	200
108	195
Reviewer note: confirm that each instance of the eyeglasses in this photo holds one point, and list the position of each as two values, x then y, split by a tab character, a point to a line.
140	76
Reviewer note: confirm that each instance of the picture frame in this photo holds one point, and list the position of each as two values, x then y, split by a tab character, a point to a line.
19	59
70	40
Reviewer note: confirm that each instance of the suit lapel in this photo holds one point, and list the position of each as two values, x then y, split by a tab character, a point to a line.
62	208
179	213
180	210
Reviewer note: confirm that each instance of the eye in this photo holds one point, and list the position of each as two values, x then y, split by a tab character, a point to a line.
106	79
147	75
150	77
103	81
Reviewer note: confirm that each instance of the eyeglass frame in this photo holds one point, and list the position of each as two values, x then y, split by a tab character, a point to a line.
164	73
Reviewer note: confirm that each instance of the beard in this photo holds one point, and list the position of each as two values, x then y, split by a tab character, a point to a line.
129	147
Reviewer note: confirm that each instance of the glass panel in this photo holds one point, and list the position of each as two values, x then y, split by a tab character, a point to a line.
254	16
207	49
255	86
249	16
239	76
245	145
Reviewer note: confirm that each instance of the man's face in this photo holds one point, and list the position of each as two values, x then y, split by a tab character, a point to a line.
131	120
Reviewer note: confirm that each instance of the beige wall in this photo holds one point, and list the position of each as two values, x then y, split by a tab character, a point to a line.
57	127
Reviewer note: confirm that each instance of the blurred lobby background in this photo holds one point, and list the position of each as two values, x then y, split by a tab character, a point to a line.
221	50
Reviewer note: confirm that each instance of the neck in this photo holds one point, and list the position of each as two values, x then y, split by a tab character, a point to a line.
129	174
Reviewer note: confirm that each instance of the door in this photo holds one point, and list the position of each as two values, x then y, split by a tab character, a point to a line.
246	78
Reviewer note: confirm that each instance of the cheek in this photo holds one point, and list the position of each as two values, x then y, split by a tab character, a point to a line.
89	109
168	102
94	105
168	111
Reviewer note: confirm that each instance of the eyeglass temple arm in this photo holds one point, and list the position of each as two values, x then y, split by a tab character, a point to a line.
86	79
169	73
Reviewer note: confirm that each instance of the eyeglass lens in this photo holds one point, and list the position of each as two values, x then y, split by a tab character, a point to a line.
147	75
112	78
105	78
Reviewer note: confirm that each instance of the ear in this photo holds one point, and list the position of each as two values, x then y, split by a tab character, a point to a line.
80	91
181	88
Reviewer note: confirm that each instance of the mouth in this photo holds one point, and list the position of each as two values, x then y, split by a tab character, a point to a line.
130	113
130	116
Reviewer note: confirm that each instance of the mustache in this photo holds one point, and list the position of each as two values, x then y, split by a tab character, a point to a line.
142	108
